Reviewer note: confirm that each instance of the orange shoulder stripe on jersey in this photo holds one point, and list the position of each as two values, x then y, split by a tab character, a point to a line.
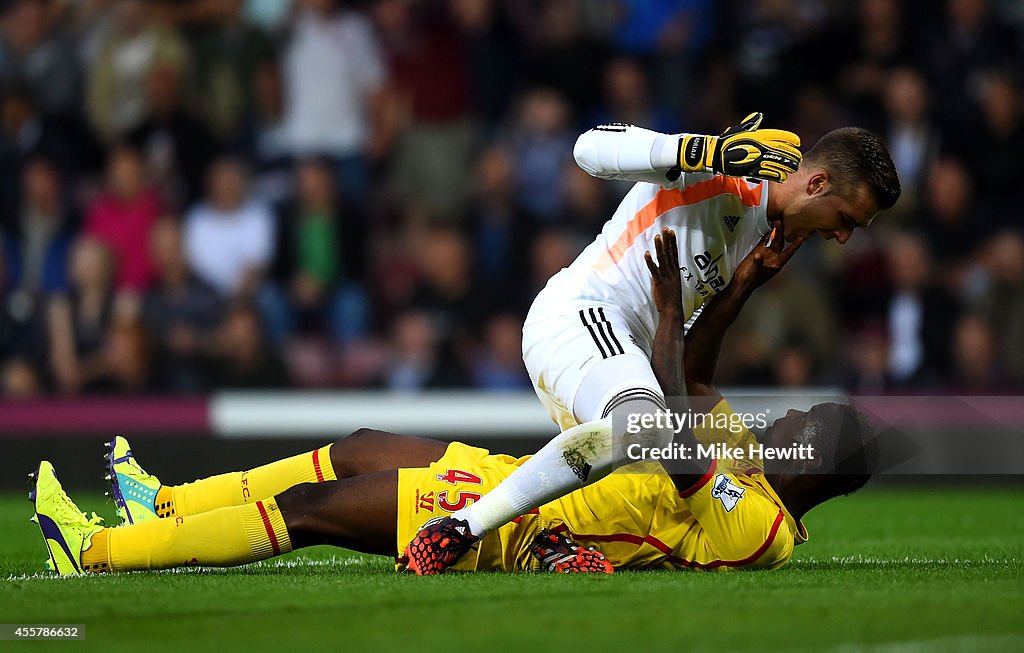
667	550
666	200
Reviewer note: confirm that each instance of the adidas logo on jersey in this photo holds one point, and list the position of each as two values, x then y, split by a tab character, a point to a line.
731	220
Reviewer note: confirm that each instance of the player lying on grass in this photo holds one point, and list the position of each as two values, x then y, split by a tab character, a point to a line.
371	491
588	337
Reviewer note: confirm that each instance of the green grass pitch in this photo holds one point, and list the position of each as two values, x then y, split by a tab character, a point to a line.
889	570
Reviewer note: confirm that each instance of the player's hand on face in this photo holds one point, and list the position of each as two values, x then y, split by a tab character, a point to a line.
767	258
666	280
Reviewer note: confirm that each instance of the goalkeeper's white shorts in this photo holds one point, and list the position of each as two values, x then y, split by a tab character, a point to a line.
584	361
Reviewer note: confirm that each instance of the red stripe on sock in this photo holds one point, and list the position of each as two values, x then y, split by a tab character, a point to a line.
316	466
270	529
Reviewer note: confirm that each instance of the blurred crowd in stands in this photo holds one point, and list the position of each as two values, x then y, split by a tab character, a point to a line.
216	194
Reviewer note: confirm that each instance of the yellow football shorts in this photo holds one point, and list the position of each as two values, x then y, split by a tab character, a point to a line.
460	477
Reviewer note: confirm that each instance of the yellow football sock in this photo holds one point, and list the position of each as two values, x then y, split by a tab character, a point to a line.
239	488
224	537
96	559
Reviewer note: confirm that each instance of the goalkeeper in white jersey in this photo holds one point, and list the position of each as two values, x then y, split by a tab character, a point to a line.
588	337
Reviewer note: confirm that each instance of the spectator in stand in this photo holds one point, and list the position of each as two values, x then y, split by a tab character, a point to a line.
180	312
131	48
550	250
227	54
764	49
335	91
541	141
319	262
499	365
868	361
37	242
816	113
794	365
176	146
244	361
123	217
791	314
920	314
21	134
501	229
271	16
35	246
80	321
229	237
418	360
993	152
969	39
627	99
128	358
586	201
447	293
428	71
948	218
670	35
913	140
1002	301
19	380
34	251
745	361
262	137
566	58
27	134
977	370
876	42
493	52
39	53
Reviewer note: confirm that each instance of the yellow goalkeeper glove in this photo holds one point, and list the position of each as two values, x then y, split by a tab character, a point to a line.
743	150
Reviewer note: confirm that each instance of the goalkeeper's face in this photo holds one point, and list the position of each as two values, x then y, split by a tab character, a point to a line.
816	206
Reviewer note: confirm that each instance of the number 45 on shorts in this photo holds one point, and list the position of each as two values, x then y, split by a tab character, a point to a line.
462	498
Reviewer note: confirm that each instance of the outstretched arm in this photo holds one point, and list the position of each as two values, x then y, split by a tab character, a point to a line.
686	365
666	287
704	340
626	152
629	153
688	362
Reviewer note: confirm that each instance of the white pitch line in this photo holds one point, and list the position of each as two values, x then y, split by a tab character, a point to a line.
263	564
952	644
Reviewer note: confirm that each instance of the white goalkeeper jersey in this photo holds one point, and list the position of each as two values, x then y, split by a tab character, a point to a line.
717	221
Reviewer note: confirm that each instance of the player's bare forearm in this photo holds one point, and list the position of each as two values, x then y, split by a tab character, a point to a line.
668	354
669	343
704	341
666	288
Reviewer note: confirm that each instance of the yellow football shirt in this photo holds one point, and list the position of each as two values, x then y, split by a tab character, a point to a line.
730	519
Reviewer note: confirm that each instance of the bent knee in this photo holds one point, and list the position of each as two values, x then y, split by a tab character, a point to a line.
357	437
